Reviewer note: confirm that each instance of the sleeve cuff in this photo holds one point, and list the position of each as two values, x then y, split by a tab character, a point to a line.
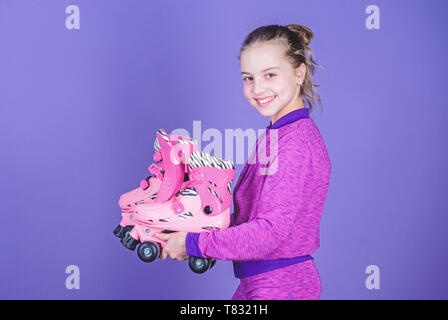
192	246
232	217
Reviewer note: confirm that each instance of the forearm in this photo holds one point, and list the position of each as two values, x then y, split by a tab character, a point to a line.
252	240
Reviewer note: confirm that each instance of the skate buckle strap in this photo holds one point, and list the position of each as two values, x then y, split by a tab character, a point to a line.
177	206
198	175
144	184
155	170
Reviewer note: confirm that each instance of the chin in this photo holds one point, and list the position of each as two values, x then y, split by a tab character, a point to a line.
266	112
263	112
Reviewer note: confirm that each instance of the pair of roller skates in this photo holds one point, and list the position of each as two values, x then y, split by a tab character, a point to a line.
188	190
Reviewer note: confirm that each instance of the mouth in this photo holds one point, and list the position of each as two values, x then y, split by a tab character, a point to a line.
265	102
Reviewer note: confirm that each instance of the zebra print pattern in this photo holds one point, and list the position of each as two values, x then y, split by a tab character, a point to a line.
212	183
229	186
153	197
185	215
204	159
164	136
156	145
185	141
210	228
189	191
213	192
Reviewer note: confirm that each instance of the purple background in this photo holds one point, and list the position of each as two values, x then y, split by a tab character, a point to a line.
79	111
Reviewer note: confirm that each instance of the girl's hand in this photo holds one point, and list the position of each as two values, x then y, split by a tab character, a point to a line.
175	245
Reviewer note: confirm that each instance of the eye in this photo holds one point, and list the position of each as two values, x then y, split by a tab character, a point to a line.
269	74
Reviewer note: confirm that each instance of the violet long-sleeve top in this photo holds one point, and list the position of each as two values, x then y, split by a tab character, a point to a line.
278	199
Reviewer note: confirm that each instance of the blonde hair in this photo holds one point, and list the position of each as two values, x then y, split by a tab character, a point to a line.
296	39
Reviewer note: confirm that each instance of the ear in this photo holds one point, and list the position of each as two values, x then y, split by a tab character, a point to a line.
301	72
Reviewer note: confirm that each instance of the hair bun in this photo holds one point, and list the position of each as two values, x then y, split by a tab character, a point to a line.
304	33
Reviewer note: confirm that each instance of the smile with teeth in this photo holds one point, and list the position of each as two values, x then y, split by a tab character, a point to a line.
265	102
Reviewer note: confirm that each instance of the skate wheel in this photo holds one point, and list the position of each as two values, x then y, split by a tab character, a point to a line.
199	265
126	231
121	232
127	241
148	251
118	231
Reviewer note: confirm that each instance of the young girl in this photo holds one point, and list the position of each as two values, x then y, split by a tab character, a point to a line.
277	208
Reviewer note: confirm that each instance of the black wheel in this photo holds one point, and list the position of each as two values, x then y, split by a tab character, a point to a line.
121	232
118	231
127	241
148	251
212	263
199	265
126	230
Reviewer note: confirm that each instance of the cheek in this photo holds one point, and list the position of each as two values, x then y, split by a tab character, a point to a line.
246	91
285	92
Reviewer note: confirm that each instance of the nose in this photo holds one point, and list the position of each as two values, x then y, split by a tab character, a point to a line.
258	88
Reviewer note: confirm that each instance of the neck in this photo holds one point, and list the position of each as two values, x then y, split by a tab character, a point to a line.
284	112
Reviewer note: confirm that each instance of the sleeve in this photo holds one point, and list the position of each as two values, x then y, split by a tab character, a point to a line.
232	219
191	241
279	204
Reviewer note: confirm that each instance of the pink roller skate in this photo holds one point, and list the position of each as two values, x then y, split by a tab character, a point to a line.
168	177
203	205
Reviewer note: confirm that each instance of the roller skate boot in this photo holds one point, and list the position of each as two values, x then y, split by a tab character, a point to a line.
202	206
167	177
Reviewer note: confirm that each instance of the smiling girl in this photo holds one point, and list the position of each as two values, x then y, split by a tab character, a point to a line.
275	226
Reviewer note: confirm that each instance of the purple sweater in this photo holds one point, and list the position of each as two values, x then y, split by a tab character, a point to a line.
276	212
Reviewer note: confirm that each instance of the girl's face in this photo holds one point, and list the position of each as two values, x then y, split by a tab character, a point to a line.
268	75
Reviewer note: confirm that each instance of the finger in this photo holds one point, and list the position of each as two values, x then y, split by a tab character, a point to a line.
162	236
163	255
